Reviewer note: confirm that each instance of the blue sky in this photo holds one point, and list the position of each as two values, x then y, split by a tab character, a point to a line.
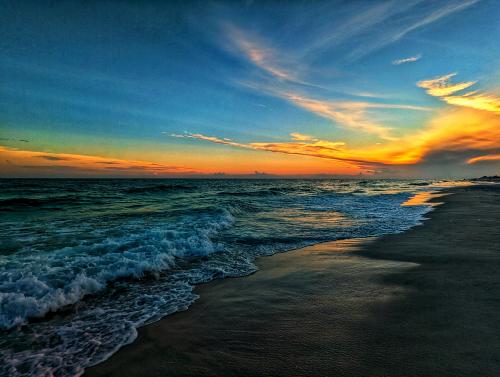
198	84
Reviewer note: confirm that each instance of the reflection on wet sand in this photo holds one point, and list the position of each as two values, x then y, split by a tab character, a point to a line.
425	198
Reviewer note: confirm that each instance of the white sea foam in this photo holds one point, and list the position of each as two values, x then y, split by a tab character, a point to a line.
34	284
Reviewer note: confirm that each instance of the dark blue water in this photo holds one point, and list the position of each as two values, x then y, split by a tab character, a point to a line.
83	263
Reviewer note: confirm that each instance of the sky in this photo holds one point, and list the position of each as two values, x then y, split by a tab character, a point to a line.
382	89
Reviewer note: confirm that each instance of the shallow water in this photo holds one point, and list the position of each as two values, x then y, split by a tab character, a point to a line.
83	263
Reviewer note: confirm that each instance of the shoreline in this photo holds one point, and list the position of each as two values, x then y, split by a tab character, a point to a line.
369	316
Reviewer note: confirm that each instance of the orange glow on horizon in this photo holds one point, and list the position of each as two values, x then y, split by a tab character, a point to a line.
94	164
459	130
453	130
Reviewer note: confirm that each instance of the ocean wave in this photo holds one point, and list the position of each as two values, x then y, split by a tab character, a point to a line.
93	332
33	285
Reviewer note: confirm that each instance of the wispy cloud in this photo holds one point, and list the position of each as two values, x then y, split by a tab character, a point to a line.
9	139
260	55
442	88
360	22
353	115
300	145
350	114
19	159
52	157
283	82
346	114
301	137
410	59
488	157
212	139
398	33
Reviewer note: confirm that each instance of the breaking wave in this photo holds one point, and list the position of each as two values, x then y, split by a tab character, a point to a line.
31	285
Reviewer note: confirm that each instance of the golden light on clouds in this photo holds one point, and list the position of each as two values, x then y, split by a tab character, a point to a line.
488	157
474	128
470	129
476	101
452	130
442	87
16	160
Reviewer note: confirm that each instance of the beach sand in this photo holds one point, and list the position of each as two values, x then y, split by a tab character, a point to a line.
421	303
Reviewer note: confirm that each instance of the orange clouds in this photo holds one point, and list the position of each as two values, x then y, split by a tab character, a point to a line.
490	157
462	129
459	131
476	101
470	135
18	161
442	87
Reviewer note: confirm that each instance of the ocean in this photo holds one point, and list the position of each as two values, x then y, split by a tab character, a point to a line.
84	263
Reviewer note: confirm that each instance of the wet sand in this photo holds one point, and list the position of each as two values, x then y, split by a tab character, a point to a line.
421	303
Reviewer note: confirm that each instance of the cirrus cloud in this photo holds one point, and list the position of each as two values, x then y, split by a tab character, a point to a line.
410	59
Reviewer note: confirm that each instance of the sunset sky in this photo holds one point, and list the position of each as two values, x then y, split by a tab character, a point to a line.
299	88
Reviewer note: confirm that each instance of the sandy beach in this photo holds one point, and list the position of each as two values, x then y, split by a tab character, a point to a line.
425	302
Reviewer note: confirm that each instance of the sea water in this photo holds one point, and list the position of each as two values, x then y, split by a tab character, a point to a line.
83	263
